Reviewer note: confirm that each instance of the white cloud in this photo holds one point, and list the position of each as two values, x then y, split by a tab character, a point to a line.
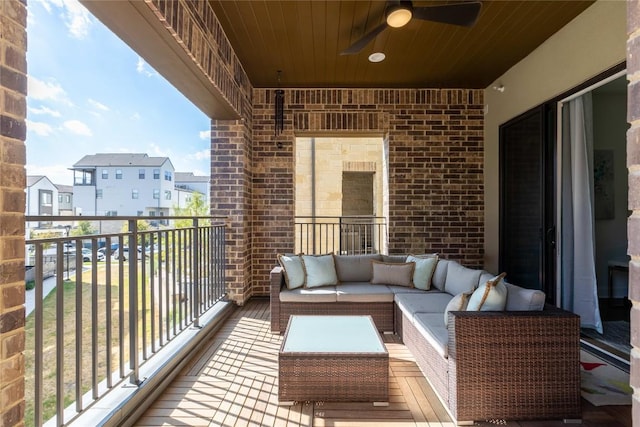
135	116
77	18
156	151
205	134
143	68
39	128
77	127
51	90
58	174
45	110
200	155
98	105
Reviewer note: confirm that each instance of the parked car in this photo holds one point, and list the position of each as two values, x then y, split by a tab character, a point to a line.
86	255
125	254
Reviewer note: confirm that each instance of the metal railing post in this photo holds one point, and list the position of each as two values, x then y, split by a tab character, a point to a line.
195	273
39	344
134	363
85	321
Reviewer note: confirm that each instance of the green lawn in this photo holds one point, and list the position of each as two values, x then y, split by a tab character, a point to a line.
69	313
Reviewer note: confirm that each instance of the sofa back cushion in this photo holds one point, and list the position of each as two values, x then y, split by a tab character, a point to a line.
460	278
355	268
394	258
440	274
522	299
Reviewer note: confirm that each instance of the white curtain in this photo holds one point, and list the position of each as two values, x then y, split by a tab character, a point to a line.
579	285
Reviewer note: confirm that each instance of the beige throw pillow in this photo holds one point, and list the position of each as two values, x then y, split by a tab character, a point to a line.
399	274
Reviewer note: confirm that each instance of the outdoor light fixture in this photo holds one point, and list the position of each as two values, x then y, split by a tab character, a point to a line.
398	15
377	57
279	113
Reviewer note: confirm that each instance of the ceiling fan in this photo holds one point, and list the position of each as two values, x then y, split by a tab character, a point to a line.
398	13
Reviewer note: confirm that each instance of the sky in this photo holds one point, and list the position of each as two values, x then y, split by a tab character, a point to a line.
89	93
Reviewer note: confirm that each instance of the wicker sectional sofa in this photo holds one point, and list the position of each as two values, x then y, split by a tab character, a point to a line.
518	363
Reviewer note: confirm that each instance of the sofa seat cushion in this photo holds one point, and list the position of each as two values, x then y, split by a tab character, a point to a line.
363	292
427	302
318	294
522	299
355	268
431	326
404	290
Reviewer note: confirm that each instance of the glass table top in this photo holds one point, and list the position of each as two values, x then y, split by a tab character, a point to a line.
332	334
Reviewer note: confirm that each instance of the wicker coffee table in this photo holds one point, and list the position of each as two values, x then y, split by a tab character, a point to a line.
333	359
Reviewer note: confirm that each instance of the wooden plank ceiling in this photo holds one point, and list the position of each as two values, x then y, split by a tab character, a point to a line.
304	38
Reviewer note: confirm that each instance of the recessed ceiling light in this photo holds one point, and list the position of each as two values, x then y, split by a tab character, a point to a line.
376	57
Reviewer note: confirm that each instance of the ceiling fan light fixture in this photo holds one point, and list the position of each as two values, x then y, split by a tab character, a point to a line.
398	16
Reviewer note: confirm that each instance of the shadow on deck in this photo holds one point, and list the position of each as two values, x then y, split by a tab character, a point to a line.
234	382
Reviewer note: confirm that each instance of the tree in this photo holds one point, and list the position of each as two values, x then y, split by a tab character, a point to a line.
84	228
197	206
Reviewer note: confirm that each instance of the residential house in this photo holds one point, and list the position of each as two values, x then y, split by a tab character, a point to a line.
65	199
123	184
41	196
445	115
189	182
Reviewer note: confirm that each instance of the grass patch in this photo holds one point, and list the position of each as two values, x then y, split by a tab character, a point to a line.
70	326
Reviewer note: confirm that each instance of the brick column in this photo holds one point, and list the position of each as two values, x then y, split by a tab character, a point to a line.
231	197
633	163
13	90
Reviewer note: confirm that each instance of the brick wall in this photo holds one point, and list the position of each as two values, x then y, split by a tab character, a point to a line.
435	156
197	28
633	163
231	196
13	89
434	149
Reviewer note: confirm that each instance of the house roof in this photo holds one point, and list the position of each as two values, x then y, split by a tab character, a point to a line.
119	159
64	188
190	177
33	179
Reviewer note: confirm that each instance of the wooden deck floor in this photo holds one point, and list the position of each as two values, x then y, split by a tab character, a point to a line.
234	382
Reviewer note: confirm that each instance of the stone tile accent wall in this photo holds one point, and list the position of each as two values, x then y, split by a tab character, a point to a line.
633	163
13	90
435	157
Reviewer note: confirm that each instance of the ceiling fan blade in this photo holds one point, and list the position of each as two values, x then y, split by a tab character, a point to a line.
462	14
365	40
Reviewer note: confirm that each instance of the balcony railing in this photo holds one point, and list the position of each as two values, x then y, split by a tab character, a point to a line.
95	320
341	235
